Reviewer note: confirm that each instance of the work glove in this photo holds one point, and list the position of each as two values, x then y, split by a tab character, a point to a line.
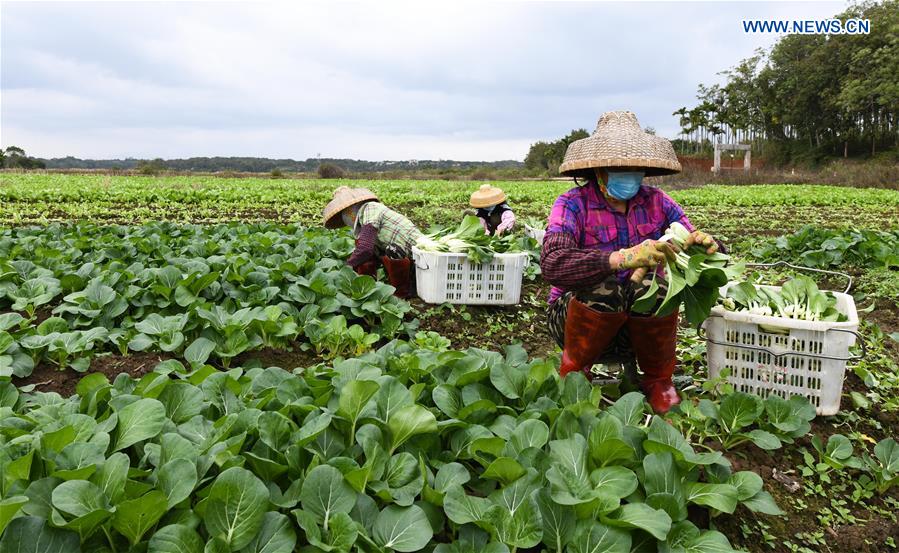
507	222
648	253
702	239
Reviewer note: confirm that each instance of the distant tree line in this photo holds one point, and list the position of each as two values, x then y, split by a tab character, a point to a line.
266	165
809	97
547	156
14	158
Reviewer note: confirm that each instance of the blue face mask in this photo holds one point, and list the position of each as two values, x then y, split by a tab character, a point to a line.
623	185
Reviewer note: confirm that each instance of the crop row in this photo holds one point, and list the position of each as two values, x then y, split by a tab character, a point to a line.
41	197
826	248
261	191
201	291
398	449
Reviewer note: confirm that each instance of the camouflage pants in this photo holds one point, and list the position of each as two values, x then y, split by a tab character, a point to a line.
394	251
608	296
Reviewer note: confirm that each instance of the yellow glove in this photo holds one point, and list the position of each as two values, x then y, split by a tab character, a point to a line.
701	239
648	253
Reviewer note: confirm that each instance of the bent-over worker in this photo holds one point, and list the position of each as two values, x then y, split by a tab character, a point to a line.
382	236
495	214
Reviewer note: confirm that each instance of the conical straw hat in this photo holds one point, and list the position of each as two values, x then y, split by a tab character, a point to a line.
618	141
343	198
486	196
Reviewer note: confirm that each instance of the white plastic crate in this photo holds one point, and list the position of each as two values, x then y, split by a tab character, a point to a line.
451	277
775	355
535	233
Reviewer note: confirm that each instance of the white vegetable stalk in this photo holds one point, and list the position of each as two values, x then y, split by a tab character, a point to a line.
798	299
677	235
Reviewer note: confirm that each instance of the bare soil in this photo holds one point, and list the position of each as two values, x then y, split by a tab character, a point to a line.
49	378
269	357
493	327
866	536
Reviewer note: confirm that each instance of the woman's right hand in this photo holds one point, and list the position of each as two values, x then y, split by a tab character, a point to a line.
648	253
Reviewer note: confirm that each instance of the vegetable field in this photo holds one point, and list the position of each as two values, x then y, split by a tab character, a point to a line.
41	198
187	365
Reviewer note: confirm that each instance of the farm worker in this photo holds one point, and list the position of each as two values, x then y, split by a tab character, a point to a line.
382	235
495	214
600	243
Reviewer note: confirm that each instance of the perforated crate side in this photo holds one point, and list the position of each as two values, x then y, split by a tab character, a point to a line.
452	278
792	372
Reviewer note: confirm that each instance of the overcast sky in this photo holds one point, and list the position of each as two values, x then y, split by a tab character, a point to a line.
455	80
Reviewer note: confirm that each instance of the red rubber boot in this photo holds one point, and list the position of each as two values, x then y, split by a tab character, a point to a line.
399	274
587	334
369	268
654	341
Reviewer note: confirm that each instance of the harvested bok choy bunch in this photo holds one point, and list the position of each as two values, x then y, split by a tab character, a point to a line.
469	238
694	279
534	223
798	298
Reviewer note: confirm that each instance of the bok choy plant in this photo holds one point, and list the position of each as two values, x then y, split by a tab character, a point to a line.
401	450
694	278
798	298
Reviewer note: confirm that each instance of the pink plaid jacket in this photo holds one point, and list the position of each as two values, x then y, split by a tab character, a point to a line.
583	230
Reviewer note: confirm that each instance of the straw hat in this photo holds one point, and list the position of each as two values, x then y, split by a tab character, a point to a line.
618	141
486	196
344	197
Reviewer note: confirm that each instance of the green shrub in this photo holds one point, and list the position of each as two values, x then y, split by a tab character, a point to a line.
331	171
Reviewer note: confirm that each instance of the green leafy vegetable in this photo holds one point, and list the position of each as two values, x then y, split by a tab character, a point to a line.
798	298
471	239
384	451
693	277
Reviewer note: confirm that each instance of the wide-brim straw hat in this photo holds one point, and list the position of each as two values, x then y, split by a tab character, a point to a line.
618	141
486	196
343	198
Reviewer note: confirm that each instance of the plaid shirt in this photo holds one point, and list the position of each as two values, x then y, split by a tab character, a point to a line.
593	229
394	229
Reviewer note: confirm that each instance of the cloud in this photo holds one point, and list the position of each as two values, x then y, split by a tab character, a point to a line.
457	80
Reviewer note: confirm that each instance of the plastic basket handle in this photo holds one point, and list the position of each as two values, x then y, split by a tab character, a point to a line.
701	333
782	263
858	340
527	261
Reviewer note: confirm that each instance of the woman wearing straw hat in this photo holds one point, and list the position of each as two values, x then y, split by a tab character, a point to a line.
601	240
495	214
381	235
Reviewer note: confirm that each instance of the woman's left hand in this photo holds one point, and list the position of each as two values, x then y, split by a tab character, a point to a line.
701	239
